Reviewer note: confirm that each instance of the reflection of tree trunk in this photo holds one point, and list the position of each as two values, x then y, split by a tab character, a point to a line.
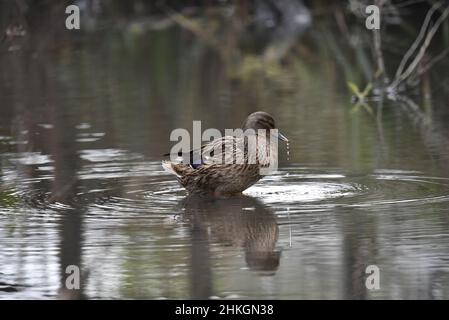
354	266
359	251
64	191
201	274
64	154
70	251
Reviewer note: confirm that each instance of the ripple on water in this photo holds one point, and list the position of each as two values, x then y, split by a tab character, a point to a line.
32	158
139	185
126	181
306	188
304	192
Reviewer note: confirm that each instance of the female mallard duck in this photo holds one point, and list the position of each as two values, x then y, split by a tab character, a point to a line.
227	166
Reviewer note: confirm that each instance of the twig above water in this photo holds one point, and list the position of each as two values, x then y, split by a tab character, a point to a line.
402	75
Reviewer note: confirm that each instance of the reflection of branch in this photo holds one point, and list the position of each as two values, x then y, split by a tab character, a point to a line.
414	110
401	76
434	139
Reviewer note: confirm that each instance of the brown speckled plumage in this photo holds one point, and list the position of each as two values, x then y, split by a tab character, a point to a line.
219	174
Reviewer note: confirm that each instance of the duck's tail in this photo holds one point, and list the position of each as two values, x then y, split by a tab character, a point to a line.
177	169
168	166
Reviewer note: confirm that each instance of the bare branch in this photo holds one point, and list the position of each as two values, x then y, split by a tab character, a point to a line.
416	43
425	45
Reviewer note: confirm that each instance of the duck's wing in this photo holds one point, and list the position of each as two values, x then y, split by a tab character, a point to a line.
225	150
193	158
187	157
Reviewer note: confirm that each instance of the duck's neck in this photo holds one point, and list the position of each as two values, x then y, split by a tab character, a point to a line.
266	151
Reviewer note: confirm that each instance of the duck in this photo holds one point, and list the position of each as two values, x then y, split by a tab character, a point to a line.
229	165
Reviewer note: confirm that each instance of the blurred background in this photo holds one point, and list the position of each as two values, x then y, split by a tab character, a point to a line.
85	116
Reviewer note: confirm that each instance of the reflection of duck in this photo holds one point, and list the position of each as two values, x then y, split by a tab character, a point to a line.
231	164
242	222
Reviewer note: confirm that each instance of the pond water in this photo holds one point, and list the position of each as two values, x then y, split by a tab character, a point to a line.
82	131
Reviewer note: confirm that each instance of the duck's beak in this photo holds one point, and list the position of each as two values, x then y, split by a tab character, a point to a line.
280	136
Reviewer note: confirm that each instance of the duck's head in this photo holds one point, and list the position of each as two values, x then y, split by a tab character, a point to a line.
262	120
